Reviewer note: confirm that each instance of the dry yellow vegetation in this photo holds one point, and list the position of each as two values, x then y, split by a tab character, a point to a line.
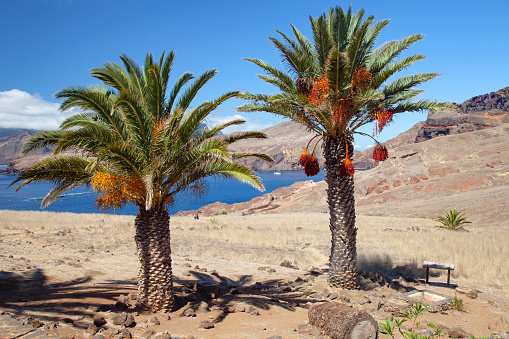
395	245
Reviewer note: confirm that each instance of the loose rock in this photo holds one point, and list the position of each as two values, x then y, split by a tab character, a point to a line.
206	324
162	335
92	329
458	332
189	312
253	311
99	320
240	308
469	292
289	264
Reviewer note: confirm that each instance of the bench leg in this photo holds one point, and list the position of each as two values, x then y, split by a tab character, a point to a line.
448	277
427	274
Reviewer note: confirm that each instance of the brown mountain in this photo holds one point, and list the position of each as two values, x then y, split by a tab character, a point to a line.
468	172
11	146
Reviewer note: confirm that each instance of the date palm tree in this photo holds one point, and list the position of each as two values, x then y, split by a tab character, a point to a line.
333	85
136	144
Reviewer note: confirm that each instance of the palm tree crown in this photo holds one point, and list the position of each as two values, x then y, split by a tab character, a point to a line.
340	81
137	144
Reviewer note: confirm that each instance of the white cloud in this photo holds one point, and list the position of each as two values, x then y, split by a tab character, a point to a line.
19	109
357	147
251	124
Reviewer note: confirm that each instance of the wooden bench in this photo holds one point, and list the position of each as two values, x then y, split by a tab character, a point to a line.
440	266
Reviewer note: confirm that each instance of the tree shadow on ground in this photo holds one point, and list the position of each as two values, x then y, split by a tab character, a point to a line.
241	291
383	269
30	293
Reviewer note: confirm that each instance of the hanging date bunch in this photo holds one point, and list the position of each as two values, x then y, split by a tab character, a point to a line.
346	169
319	92
360	79
380	153
382	116
309	160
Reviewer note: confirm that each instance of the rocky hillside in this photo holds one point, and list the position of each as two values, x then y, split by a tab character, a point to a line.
479	112
11	146
285	142
468	172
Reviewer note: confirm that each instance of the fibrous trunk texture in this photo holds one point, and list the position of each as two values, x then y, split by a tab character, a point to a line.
155	282
340	198
341	321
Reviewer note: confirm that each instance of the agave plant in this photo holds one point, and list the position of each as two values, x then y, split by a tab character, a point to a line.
334	85
453	220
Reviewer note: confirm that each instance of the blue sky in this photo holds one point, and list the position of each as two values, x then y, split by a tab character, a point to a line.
50	44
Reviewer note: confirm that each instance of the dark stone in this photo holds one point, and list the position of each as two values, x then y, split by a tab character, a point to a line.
120	306
120	319
125	334
229	309
162	335
124	319
130	322
458	332
334	295
189	312
99	320
155	321
206	324
289	264
36	323
253	311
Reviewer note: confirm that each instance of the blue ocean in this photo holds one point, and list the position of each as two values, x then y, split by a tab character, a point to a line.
81	199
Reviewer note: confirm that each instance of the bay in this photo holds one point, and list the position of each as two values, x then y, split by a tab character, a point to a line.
81	199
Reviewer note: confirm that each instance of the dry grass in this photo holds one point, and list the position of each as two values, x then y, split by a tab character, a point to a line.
396	244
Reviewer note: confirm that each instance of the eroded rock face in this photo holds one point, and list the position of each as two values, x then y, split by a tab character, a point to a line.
482	111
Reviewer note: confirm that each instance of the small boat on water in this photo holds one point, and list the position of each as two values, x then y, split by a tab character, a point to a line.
277	173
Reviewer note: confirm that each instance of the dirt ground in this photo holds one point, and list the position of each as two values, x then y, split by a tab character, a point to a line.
57	277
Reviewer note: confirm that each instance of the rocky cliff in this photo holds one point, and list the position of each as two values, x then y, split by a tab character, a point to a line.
479	112
285	142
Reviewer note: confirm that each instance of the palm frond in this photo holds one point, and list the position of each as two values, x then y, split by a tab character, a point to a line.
41	140
190	93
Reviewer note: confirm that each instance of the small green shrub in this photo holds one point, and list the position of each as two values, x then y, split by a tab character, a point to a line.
457	304
214	221
390	327
453	220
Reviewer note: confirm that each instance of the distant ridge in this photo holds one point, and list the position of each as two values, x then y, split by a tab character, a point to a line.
11	146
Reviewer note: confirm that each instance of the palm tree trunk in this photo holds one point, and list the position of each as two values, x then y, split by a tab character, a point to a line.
340	197
155	282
